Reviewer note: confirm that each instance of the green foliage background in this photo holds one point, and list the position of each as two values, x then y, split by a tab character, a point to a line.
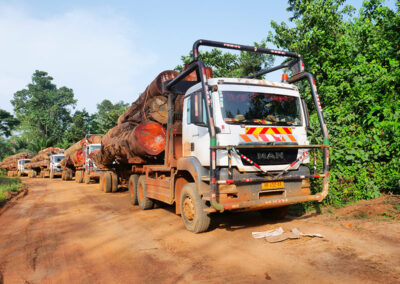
354	56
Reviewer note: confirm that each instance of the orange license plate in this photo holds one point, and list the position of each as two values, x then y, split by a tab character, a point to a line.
273	185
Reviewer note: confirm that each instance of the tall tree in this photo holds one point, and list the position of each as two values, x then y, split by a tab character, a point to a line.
355	60
107	115
44	110
7	123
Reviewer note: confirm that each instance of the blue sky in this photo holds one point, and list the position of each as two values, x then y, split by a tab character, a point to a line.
113	49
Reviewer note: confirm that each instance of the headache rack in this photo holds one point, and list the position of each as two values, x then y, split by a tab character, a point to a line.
296	64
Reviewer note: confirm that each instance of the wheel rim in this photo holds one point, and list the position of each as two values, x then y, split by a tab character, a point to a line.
140	193
188	209
131	189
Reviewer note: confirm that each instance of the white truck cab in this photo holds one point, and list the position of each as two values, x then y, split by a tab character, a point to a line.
249	112
21	167
55	167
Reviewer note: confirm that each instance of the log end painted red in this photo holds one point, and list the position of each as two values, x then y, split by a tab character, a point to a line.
151	137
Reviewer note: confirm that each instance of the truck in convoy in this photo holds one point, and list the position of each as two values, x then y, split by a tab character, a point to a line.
46	163
78	163
22	171
13	166
236	144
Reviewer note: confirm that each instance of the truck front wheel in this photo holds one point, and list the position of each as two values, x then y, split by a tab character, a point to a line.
132	186
79	177
193	215
107	182
86	177
114	182
144	202
101	181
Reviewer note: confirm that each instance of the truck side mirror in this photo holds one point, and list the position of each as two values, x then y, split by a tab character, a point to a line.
298	67
196	109
306	114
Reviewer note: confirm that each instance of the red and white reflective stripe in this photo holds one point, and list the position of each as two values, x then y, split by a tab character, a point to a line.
320	176
291	165
248	160
278	52
231	45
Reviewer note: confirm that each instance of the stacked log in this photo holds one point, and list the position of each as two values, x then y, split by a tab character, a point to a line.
11	163
42	159
74	154
140	134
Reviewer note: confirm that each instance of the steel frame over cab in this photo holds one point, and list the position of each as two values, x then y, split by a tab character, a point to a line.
197	190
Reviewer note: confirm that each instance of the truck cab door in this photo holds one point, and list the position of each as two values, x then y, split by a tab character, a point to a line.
196	139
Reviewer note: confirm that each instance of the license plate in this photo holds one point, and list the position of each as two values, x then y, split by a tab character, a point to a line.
273	185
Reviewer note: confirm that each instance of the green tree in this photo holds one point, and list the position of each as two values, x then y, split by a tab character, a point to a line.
82	123
7	123
355	60
226	64
107	115
44	111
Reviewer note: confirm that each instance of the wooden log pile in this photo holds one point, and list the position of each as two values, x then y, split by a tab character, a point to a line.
140	134
42	159
11	163
74	155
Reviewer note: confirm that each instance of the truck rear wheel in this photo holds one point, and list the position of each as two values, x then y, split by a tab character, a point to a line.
86	177
277	213
107	182
101	181
144	202
78	177
193	215
132	186
114	182
68	175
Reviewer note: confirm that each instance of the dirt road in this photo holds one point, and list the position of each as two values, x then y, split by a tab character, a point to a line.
63	232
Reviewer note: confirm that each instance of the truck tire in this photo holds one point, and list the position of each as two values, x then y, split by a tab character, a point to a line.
114	182
101	181
194	217
277	213
79	177
132	186
144	202
68	175
107	182
86	177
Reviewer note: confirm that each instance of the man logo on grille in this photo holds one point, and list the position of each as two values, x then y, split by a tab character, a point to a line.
270	155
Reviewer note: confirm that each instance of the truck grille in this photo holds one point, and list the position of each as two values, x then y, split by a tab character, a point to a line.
269	157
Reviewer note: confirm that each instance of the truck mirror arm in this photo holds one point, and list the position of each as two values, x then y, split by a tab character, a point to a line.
250	48
287	64
305	75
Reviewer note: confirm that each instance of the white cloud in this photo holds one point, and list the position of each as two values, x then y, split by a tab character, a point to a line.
98	55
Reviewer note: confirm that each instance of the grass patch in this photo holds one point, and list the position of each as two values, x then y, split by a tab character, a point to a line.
8	185
361	215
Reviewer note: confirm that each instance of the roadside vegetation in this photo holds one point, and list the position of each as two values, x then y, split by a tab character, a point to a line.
354	56
8	187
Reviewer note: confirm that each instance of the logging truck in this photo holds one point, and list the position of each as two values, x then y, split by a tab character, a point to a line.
77	161
235	144
22	171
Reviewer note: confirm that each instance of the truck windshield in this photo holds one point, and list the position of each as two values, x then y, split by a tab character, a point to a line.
93	147
259	108
58	159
